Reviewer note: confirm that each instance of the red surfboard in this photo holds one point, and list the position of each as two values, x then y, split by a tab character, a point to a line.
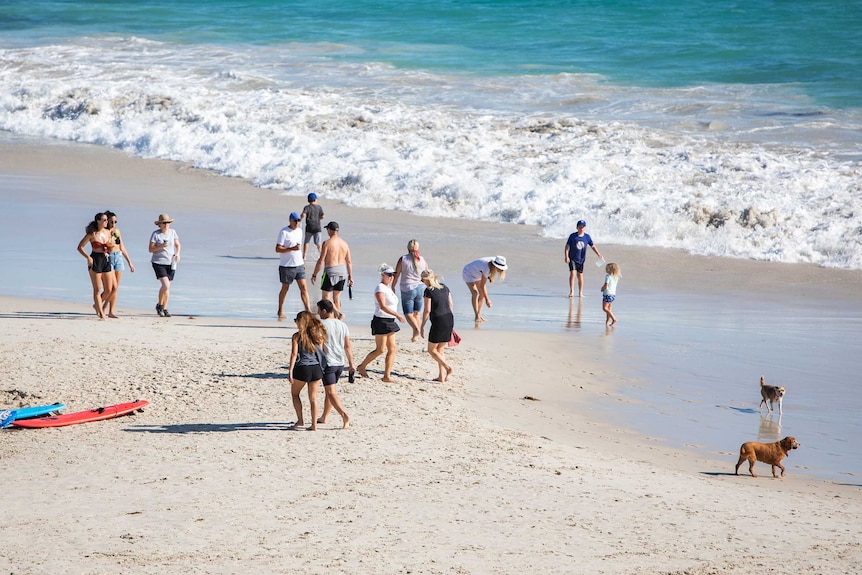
83	416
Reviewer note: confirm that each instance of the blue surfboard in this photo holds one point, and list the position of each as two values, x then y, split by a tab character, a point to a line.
10	415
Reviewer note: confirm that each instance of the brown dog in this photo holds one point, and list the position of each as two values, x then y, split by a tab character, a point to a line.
771	394
771	453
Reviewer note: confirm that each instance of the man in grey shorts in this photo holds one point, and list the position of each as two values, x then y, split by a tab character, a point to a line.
338	270
291	266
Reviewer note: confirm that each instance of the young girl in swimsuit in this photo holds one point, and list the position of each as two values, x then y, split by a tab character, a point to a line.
97	261
117	257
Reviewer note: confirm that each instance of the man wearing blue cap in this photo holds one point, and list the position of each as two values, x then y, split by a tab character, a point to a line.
576	254
291	265
313	214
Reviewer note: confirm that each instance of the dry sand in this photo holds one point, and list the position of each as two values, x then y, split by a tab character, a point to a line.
464	477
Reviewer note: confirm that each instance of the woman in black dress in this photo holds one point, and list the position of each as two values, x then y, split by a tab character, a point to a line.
438	306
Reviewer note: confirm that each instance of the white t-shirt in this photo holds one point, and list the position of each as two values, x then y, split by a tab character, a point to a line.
336	331
290	238
474	271
166	256
389	297
612	285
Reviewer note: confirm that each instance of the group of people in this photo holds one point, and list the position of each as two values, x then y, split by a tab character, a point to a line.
108	257
320	348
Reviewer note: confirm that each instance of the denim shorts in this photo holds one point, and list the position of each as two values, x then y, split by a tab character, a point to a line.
413	300
118	264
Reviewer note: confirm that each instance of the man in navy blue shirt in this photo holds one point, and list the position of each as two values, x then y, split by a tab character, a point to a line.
576	254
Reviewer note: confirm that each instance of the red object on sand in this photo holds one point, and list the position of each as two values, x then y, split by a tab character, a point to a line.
83	416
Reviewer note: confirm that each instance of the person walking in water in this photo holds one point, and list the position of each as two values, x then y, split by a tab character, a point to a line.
165	247
409	268
575	253
313	214
477	275
337	268
609	292
291	265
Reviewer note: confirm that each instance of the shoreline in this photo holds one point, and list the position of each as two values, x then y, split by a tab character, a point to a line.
696	332
430	478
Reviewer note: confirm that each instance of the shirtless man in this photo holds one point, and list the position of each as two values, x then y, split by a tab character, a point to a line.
337	270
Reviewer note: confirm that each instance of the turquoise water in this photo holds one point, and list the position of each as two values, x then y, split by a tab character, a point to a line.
729	129
814	45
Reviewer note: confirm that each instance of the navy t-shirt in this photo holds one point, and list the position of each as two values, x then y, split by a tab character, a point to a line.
578	247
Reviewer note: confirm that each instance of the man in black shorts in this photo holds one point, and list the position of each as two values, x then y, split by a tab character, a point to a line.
338	270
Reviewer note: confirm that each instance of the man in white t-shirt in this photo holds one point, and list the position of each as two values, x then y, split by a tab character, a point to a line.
291	267
339	354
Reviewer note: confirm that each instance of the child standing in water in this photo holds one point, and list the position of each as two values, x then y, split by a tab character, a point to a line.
609	292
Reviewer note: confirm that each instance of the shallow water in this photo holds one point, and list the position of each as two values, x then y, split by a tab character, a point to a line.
694	361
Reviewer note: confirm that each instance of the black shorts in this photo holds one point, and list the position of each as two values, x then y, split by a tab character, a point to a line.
579	267
287	274
331	374
101	264
327	285
383	325
441	328
164	271
307	373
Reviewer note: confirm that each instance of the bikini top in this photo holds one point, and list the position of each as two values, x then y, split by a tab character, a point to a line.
98	246
116	238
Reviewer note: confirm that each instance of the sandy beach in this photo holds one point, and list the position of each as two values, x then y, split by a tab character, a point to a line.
463	477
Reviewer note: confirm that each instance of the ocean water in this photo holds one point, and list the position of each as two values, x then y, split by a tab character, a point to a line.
731	129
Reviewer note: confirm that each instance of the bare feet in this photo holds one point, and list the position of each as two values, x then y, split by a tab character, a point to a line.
449	371
311	427
99	311
438	378
387	379
321	420
571	294
113	316
296	426
479	318
346	421
281	316
361	371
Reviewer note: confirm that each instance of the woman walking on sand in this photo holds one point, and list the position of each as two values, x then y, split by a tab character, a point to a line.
306	364
609	292
98	265
383	326
117	257
477	274
409	268
438	306
165	247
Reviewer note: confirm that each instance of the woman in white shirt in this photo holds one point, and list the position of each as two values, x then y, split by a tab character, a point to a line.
477	274
383	326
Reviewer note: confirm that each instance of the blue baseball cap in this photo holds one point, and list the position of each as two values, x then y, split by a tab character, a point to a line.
295	217
312	196
582	223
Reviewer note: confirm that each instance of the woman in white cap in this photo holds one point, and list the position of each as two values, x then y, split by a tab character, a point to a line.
383	326
165	247
477	274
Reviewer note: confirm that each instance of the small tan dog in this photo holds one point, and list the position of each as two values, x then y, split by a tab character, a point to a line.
771	394
771	453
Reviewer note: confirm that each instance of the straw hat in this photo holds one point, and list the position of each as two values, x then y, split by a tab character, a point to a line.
164	219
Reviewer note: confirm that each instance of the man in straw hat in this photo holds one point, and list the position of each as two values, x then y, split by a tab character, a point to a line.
165	247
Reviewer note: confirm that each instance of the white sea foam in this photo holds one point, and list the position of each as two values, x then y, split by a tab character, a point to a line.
716	170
